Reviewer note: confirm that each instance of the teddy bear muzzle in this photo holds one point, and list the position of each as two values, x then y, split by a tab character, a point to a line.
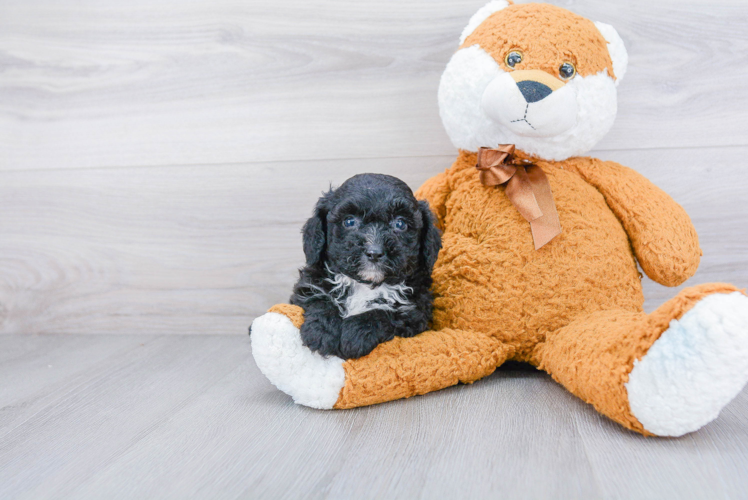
530	103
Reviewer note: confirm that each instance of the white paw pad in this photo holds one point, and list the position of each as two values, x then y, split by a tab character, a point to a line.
696	367
309	378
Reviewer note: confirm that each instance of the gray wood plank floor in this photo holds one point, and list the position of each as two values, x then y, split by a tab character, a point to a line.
157	160
171	416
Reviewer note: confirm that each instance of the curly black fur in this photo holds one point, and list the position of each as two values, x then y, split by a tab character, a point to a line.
369	234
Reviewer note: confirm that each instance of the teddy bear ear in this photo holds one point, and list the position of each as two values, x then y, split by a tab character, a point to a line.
483	14
616	49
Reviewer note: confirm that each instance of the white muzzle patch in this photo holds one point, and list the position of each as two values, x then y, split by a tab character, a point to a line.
504	103
371	272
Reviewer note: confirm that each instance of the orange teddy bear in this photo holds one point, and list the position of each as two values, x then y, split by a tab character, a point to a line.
562	291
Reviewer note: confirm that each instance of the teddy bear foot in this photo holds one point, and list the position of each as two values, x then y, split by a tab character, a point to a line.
696	367
309	378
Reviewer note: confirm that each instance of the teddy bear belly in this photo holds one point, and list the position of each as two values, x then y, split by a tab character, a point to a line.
490	278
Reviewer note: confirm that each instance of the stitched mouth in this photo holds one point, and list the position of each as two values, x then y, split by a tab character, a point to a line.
524	118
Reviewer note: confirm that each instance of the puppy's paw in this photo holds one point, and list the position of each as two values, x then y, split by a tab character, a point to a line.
321	333
309	378
362	333
353	347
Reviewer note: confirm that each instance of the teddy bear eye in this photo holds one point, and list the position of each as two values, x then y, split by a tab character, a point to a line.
399	224
513	58
567	70
350	221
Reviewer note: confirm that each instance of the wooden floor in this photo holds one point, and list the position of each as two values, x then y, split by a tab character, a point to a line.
190	416
157	159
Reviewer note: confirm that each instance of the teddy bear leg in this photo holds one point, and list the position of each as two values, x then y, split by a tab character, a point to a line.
400	368
665	374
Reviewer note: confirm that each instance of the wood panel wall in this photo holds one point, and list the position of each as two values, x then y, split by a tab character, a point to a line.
157	159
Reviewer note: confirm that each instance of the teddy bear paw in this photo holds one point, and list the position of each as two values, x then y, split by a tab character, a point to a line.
696	367
309	378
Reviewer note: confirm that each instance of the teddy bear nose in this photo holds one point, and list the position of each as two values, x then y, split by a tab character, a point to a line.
533	91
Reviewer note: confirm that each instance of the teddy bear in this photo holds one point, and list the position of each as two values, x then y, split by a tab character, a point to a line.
540	248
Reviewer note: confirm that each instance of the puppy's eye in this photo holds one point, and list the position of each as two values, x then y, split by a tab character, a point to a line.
399	224
513	58
567	71
350	221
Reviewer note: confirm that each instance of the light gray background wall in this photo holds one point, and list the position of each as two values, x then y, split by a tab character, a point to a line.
157	159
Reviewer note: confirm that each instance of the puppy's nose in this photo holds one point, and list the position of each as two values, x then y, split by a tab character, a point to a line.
534	91
374	252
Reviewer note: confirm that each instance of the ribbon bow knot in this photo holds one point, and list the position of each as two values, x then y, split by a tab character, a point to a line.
527	187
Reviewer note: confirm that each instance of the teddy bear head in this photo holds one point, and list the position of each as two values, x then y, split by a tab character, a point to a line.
533	75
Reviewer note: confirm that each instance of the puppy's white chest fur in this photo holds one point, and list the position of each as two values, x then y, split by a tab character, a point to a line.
353	297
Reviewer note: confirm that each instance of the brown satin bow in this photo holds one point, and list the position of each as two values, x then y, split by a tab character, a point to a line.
527	188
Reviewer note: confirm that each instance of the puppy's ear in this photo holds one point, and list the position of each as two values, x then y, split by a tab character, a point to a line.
431	240
315	232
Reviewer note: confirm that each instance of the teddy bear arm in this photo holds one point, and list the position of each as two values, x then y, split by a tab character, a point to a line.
292	312
435	191
429	361
661	232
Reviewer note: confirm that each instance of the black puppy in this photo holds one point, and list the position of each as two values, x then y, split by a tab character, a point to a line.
370	248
